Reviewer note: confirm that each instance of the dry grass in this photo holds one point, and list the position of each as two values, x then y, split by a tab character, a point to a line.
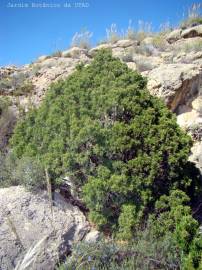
30	256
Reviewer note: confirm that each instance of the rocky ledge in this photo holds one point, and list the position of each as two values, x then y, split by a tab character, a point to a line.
28	220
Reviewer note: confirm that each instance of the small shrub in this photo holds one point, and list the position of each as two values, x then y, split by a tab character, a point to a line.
57	54
7	121
145	49
35	70
160	42
127	56
30	173
4	104
191	22
25	89
145	253
26	171
143	65
7	166
5	85
191	47
16	84
174	215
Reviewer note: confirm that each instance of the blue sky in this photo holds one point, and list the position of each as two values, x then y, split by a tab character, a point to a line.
26	33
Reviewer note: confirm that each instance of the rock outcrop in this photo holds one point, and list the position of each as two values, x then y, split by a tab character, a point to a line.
174	36
176	84
174	73
195	31
26	219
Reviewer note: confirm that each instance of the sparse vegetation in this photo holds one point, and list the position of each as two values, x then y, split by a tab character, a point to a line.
127	56
16	84
191	47
159	42
82	39
112	34
145	49
194	16
26	171
7	121
35	70
57	54
143	65
24	89
170	240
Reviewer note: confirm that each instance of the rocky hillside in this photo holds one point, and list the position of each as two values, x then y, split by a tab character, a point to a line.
26	218
172	63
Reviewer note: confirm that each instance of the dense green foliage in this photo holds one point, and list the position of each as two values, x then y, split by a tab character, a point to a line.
170	240
7	121
126	155
119	143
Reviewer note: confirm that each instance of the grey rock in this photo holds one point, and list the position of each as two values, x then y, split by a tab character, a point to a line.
174	36
124	43
92	237
26	219
195	31
196	155
176	84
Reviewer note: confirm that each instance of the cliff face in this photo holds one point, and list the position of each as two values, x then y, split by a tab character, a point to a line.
172	64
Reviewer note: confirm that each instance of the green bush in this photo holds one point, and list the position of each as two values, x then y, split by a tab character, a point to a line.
16	84
121	146
7	121
26	171
24	89
30	173
174	215
7	165
4	104
145	253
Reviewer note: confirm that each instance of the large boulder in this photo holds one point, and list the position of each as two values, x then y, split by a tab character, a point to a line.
176	84
188	119
28	220
195	31
174	36
74	52
197	105
125	43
